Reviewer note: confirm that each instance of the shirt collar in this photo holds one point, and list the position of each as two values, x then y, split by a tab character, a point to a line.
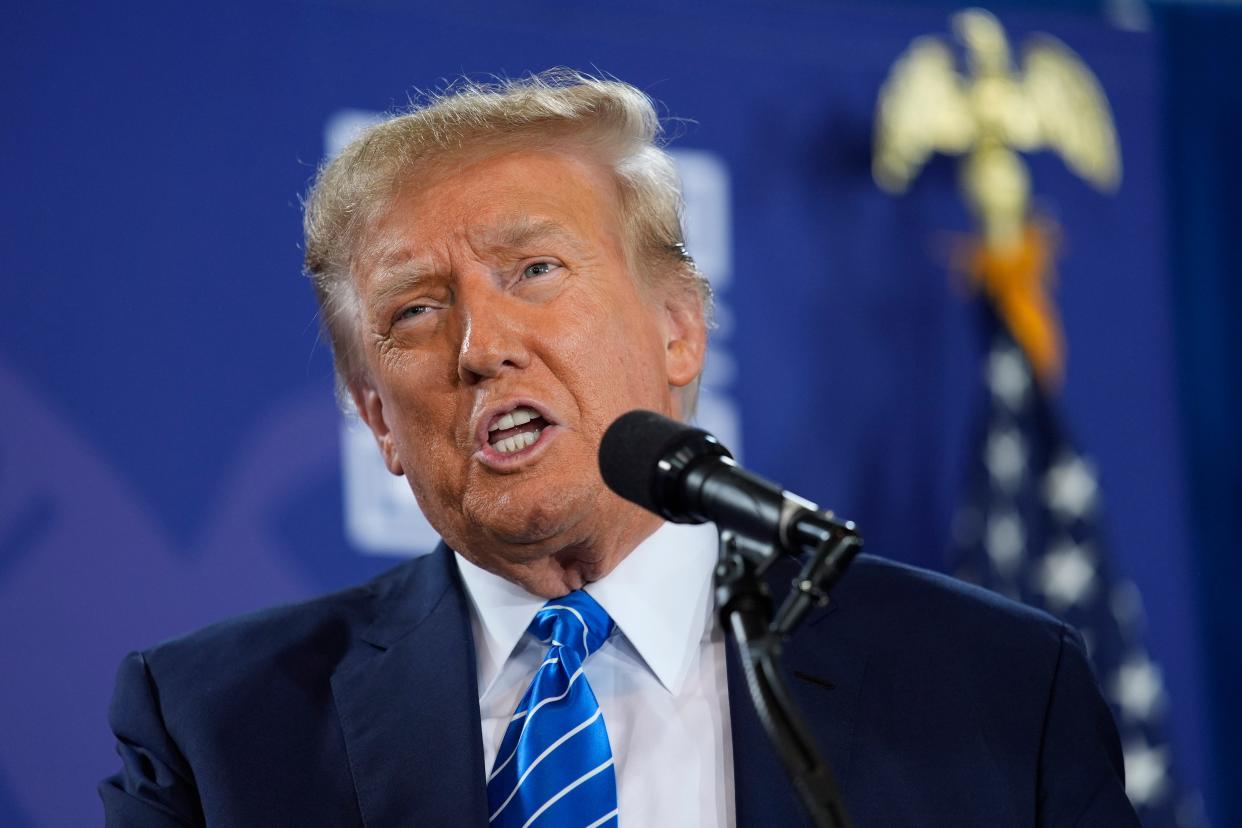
659	596
500	612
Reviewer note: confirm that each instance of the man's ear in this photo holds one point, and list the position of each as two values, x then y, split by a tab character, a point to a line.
371	409
685	337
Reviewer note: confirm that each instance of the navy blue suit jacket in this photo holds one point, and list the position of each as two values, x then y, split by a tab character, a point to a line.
935	703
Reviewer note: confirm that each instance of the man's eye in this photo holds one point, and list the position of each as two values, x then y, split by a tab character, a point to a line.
537	269
412	311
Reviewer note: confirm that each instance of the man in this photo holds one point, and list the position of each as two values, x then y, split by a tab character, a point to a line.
502	275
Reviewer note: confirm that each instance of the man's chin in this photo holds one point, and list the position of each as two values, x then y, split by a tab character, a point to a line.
535	525
534	537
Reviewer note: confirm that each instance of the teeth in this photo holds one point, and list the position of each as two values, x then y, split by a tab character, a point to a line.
516	417
517	442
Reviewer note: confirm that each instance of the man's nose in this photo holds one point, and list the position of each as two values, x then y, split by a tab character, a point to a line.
491	335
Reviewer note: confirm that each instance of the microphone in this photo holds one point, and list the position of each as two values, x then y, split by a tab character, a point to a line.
685	475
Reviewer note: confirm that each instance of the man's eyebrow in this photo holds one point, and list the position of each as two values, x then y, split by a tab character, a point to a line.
393	275
521	231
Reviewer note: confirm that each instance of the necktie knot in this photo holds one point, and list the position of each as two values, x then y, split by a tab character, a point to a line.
575	623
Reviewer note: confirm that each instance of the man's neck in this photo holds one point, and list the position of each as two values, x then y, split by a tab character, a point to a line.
574	565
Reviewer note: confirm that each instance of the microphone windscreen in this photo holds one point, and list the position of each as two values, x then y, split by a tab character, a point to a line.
631	449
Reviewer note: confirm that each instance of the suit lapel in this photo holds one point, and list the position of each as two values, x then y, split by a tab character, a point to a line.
408	705
824	669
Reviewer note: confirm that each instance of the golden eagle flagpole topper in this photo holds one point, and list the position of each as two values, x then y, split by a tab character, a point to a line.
989	115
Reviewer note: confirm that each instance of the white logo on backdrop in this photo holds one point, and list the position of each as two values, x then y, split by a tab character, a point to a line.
381	515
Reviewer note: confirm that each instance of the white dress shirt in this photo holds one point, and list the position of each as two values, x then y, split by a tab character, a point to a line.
660	680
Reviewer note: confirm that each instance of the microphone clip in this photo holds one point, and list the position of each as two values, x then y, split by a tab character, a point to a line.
827	546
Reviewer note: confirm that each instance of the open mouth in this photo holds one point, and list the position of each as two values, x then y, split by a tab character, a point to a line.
515	430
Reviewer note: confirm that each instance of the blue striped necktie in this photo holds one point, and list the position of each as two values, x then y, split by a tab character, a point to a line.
554	766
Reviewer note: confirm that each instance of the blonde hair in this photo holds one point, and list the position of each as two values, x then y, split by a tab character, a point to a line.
612	119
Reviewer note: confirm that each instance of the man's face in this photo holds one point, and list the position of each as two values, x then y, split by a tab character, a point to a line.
503	332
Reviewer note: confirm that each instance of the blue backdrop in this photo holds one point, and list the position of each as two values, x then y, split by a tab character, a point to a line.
171	453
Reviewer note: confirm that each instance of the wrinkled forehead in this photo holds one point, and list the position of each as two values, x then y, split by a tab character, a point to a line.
495	201
392	245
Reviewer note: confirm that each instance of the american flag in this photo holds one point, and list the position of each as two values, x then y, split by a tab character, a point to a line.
1029	528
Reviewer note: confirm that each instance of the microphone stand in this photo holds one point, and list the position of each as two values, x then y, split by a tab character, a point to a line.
745	607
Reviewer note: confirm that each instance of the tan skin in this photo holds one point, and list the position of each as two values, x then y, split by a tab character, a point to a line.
506	278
